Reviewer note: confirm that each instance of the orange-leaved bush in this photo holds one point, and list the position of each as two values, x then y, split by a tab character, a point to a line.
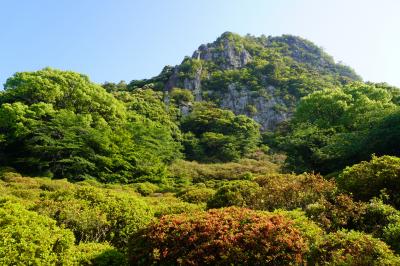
219	237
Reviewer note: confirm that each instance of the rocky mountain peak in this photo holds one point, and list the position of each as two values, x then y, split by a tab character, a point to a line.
228	53
261	77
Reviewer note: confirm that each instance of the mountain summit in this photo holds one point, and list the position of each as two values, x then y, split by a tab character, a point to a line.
261	77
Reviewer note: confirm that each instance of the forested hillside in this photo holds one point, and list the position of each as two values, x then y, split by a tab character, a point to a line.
255	150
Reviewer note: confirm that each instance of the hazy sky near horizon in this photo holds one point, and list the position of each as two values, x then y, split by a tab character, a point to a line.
113	40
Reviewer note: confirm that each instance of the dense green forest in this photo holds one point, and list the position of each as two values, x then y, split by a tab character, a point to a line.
160	172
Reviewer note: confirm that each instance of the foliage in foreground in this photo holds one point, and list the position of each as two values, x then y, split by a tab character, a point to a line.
353	248
219	237
28	238
369	179
231	235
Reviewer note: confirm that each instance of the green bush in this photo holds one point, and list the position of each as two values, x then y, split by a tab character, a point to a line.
200	173
239	193
310	231
337	212
219	237
145	188
95	215
27	238
181	96
391	235
377	216
197	195
89	223
288	191
382	221
367	179
175	207
352	248
99	254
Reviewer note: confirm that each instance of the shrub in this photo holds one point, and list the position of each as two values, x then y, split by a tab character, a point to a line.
366	179
391	235
234	193
54	185
336	212
377	216
94	215
100	254
126	215
219	237
221	171
87	222
176	207
146	188
181	96
382	221
289	191
352	248
30	239
197	195
310	231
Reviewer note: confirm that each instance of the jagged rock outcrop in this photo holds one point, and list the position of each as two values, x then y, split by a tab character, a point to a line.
233	57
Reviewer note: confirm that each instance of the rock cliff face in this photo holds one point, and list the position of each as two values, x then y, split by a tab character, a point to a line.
261	77
261	109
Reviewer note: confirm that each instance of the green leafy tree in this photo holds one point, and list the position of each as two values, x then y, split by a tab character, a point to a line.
218	134
60	124
335	128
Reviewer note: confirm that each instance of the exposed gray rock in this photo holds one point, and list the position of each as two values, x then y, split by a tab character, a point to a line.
240	99
229	57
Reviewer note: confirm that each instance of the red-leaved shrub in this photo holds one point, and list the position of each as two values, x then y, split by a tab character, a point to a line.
219	237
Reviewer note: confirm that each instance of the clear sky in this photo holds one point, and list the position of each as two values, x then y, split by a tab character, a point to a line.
113	40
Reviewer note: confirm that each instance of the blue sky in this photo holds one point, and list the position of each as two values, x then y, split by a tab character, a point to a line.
123	40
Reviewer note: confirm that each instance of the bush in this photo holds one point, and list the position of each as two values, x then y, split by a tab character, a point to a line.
219	237
146	188
391	235
337	212
289	191
353	248
100	254
310	231
377	216
87	222
367	179
382	221
126	215
181	96
94	215
30	239
197	195
234	193
174	206
221	171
